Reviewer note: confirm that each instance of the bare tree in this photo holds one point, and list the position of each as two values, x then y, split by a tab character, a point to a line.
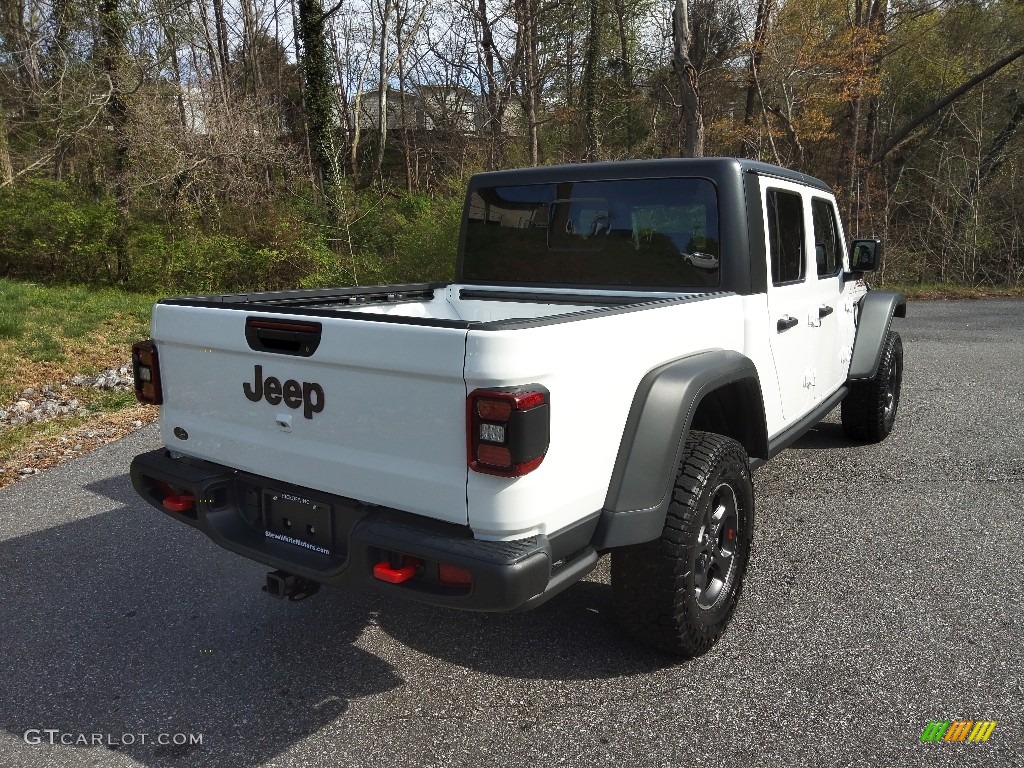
689	88
762	23
113	55
590	82
527	13
6	170
319	96
384	9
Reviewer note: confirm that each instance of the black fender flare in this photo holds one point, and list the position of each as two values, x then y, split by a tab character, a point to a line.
652	441
875	314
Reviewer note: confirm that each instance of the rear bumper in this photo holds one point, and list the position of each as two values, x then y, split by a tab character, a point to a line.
231	509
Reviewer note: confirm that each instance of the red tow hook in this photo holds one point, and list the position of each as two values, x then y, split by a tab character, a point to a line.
181	502
385	572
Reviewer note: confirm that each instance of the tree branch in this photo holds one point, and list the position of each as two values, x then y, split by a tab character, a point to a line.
900	135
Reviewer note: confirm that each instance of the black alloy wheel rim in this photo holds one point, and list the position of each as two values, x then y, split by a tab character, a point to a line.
892	391
715	567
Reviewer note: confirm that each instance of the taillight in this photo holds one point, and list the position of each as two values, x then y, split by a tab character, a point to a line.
146	368
454	575
507	430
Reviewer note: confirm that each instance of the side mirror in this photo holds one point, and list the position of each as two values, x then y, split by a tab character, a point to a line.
865	255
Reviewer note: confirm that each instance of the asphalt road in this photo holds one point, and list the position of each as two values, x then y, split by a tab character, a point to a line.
886	591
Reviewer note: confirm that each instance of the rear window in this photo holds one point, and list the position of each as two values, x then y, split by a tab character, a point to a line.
657	233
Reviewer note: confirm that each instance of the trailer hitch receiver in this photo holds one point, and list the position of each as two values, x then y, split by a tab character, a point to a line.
281	584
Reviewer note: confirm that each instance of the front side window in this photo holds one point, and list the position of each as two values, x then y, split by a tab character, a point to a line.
785	235
826	238
654	233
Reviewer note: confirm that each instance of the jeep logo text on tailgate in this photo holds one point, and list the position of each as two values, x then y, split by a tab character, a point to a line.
307	394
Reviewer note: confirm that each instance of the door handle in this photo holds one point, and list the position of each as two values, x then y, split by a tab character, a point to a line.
785	323
824	310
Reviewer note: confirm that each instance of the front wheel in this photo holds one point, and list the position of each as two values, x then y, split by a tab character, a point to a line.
678	593
869	409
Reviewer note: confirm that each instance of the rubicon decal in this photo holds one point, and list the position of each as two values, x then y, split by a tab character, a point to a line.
958	730
308	395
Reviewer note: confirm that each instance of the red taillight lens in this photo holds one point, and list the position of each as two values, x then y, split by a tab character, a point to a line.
146	369
453	575
494	455
507	430
494	410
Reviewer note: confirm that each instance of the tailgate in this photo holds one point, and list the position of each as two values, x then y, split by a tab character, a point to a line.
377	413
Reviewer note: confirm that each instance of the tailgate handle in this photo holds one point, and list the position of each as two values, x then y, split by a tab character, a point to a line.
282	337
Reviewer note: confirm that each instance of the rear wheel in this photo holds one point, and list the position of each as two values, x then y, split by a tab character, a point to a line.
679	592
869	409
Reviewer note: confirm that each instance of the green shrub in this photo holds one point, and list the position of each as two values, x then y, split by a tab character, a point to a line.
48	232
409	238
51	232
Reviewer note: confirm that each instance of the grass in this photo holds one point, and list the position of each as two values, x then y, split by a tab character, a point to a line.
110	400
14	439
51	333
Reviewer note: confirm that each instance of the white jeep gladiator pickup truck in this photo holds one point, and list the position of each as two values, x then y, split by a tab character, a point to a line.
623	344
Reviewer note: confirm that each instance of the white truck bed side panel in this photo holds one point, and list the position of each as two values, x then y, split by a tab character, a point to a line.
592	368
392	429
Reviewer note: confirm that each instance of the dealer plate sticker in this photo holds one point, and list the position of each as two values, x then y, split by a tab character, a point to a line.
299	521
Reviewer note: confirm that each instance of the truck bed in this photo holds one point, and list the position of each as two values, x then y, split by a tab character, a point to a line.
388	371
437	304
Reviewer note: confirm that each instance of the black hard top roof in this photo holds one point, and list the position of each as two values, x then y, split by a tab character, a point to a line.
714	168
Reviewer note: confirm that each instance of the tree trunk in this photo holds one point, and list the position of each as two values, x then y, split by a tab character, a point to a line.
531	76
216	70
319	98
113	53
252	77
761	26
382	88
591	119
847	166
172	45
693	140
492	118
626	69
990	163
349	117
6	169
868	21
221	31
401	16
357	111
16	25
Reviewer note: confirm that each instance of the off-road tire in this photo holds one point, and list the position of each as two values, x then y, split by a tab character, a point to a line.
656	585
869	409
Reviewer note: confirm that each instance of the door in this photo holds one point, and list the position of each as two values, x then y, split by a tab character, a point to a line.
790	295
830	359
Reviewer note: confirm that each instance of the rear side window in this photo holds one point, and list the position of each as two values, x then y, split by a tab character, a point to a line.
826	238
619	232
786	236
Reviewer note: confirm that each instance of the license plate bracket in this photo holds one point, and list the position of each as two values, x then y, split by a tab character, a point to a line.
297	520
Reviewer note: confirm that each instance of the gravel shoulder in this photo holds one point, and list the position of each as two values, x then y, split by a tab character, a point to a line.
74	425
